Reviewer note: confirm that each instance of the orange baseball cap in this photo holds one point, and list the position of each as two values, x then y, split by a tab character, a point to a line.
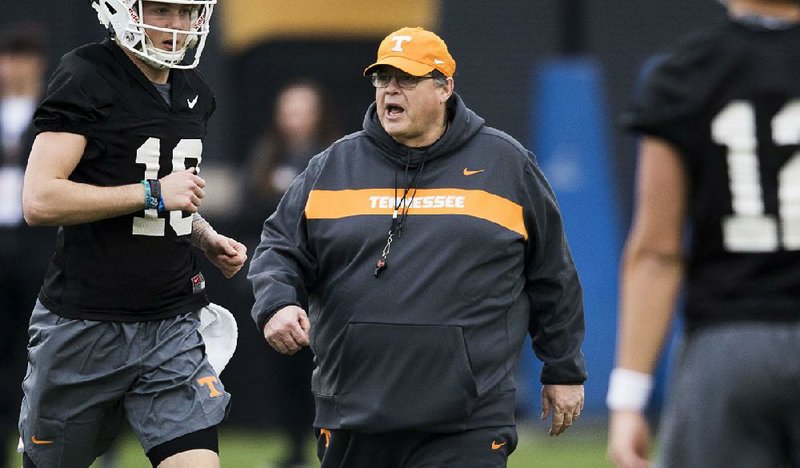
416	52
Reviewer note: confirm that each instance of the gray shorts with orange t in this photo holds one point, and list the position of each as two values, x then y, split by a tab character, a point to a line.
86	377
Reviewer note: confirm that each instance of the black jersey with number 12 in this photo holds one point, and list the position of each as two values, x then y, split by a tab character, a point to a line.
729	100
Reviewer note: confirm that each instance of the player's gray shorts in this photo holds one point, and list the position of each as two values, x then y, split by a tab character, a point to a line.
735	399
85	377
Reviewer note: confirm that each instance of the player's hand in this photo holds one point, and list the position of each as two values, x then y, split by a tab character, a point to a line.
287	330
628	439
182	190
566	403
225	253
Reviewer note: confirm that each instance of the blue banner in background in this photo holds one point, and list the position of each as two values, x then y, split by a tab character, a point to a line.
570	137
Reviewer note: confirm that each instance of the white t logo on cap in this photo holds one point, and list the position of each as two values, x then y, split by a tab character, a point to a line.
398	42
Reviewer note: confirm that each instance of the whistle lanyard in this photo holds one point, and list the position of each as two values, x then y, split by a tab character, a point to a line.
401	207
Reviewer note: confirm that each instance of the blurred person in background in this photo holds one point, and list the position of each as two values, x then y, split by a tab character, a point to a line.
720	153
115	335
424	247
24	251
302	126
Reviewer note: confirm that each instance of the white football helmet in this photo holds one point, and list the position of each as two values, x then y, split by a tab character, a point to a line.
125	24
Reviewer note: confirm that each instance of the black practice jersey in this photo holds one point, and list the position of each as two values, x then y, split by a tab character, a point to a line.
139	266
729	99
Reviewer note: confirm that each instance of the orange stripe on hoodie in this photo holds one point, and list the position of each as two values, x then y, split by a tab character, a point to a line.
335	204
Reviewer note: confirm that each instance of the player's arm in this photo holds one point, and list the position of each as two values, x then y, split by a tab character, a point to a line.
225	253
652	266
652	269
49	198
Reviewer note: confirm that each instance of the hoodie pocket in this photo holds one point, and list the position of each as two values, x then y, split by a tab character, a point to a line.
395	377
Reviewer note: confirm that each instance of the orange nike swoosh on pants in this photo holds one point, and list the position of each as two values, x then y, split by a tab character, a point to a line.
496	445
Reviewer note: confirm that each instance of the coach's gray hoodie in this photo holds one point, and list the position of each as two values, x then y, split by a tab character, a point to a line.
431	343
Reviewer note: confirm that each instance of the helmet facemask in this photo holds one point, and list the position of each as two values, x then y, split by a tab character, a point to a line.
126	26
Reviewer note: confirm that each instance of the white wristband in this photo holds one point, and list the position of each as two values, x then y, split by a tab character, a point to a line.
628	390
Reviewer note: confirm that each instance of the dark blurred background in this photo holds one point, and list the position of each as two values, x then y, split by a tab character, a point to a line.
502	48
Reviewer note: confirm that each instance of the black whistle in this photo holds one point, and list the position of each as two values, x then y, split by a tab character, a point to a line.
379	267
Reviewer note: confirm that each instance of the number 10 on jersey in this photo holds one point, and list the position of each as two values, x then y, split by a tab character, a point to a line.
148	155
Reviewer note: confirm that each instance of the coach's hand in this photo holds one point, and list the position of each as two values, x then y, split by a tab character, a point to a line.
566	402
287	330
628	439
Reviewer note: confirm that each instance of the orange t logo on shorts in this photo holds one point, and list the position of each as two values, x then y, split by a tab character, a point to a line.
209	382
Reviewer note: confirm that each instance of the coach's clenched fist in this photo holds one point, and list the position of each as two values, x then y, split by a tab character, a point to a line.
287	330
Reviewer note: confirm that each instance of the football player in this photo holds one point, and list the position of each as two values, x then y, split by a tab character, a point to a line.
720	119
114	334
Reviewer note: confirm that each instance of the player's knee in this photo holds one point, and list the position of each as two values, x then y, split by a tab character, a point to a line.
202	439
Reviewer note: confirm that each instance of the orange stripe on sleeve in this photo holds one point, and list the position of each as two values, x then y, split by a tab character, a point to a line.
335	204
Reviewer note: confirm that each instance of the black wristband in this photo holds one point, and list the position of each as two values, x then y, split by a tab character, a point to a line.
155	188
155	192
